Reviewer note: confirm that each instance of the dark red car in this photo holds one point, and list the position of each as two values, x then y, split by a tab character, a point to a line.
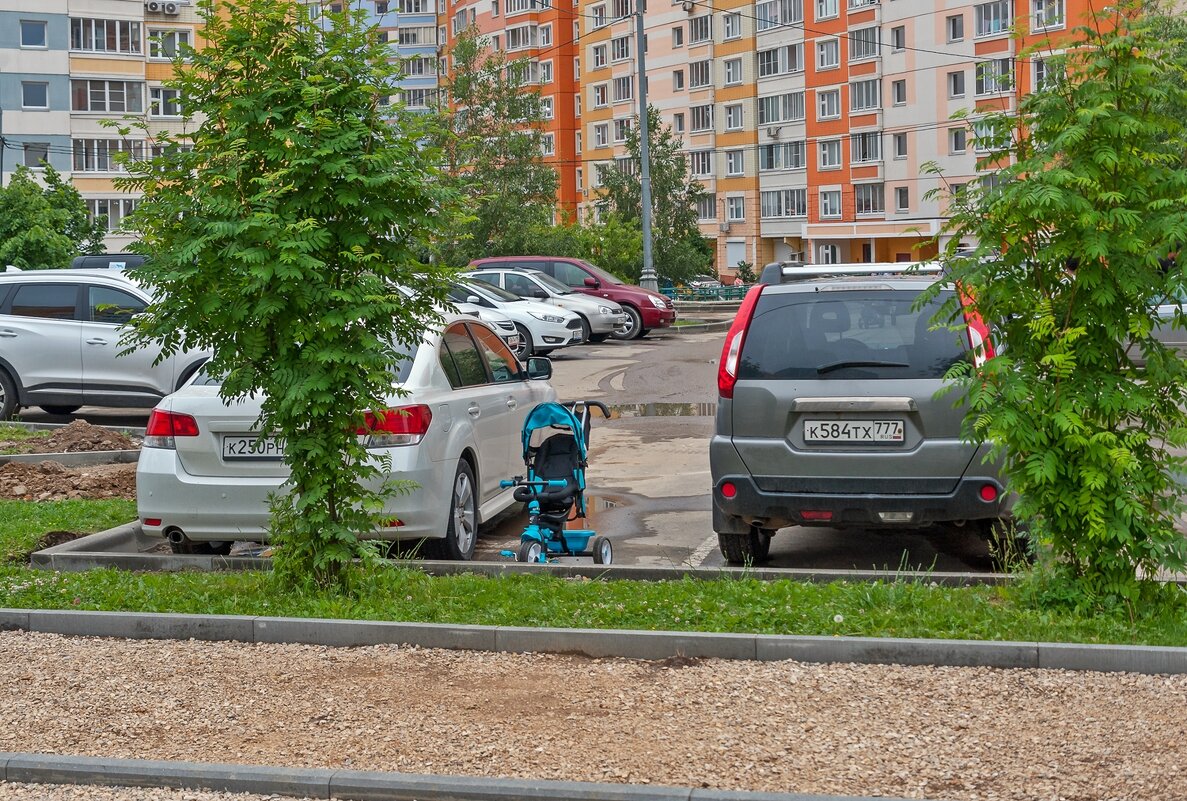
646	310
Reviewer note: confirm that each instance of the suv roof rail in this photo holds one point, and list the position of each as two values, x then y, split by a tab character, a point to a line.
780	271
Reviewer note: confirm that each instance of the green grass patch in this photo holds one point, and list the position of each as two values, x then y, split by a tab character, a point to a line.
18	434
396	593
23	523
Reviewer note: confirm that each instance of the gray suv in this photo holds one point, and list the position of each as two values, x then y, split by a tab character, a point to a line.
828	414
60	344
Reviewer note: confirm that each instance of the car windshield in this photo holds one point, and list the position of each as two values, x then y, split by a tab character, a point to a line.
556	286
853	334
603	276
469	286
407	354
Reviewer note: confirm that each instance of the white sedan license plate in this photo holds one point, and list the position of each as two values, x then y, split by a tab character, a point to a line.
253	448
853	430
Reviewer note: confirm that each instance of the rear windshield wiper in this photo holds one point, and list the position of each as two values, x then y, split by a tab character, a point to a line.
828	368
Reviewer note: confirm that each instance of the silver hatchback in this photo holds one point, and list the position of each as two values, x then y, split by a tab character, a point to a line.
828	412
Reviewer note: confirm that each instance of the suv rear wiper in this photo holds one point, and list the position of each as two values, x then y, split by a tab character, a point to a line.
828	368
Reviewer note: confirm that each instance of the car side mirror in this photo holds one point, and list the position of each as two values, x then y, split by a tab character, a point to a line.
539	368
540	294
593	283
477	301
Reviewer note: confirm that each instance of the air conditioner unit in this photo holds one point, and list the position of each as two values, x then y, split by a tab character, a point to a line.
725	228
170	8
688	5
153	7
773	131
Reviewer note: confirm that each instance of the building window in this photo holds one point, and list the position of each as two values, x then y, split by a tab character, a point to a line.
830	154
417	36
702	118
898	92
494	8
111	210
900	145
987	140
787	107
902	198
781	60
734	117
700	162
107	96
956	84
33	33
545	35
521	37
621	129
546	108
601	135
545	72
1048	14
864	43
678	122
677	80
164	102
827	8
419	66
733	26
98	155
620	48
735	162
993	18
419	98
994	76
576	68
776	13
898	38
35	94
865	95
869	199
599	57
105	36
829	254
955	27
577	143
598	16
782	156
829	104
699	74
622	9
600	97
784	203
35	153
700	29
733	71
828	54
956	140
865	147
830	203
678	36
707	207
623	88
735	209
548	144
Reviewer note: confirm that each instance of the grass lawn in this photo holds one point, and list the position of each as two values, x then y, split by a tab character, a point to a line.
894	609
10	433
22	523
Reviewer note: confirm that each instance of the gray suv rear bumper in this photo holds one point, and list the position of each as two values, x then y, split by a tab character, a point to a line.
753	506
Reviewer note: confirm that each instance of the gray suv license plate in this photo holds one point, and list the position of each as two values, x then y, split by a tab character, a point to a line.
853	431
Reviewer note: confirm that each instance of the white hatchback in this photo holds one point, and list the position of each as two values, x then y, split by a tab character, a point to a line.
204	473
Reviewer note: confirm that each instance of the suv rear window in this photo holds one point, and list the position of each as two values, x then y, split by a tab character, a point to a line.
858	334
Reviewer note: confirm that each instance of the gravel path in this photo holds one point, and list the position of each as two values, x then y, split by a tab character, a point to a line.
65	792
953	733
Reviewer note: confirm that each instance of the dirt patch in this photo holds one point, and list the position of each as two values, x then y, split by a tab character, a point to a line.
53	481
52	538
79	436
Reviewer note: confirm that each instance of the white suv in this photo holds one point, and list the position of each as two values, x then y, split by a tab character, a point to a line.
60	344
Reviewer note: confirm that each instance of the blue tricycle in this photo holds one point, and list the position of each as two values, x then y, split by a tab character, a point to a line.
555	452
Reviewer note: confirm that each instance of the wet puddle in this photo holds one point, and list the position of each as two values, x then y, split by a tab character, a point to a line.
623	410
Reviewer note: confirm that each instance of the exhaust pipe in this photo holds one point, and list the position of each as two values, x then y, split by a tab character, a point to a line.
176	536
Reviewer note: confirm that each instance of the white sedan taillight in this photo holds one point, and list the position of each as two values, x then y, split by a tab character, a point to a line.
164	426
389	428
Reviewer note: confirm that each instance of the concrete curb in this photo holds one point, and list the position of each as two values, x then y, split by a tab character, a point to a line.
355	785
131	431
651	645
704	328
74	459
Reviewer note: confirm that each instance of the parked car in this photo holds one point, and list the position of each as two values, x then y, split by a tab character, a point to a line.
828	413
504	326
645	310
703	282
542	328
599	317
60	343
205	472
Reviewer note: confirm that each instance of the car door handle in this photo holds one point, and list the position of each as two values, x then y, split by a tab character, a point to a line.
97	341
7	333
512	403
474	411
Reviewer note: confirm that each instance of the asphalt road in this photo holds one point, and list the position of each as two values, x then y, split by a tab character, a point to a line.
649	467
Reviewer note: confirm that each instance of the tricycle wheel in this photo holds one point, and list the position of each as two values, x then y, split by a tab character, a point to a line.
603	551
530	551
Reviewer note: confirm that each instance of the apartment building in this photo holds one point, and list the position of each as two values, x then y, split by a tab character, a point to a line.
544	33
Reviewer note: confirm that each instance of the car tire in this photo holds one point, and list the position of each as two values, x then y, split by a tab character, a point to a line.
60	410
596	338
586	331
526	347
633	327
461	532
644	332
9	400
745	549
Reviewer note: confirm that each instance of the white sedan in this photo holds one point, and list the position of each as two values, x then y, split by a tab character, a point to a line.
542	328
204	473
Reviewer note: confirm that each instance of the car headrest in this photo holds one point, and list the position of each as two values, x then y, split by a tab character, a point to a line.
830	317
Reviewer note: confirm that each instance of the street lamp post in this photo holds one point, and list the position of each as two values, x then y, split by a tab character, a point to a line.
648	278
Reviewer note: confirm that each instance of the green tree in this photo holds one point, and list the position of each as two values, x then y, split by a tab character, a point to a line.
1068	271
487	128
44	227
279	229
678	249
